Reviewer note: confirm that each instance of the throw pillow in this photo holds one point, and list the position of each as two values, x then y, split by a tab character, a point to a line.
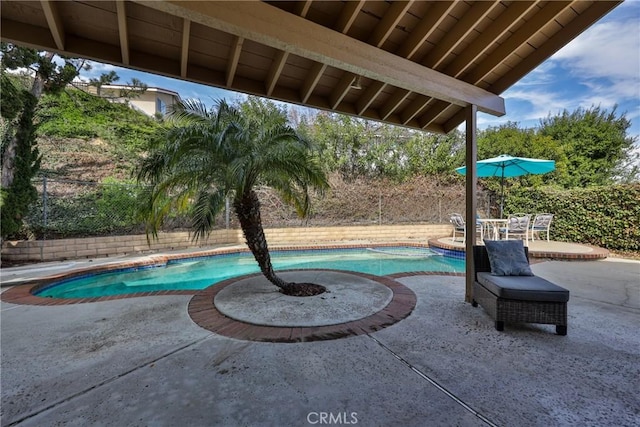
507	258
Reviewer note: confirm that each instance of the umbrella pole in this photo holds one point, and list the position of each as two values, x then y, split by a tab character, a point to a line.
502	194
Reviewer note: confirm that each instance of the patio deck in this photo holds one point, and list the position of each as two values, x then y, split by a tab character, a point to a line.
144	361
537	249
430	358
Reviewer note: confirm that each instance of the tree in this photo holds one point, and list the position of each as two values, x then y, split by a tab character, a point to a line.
48	76
596	144
211	154
17	123
510	139
104	79
133	89
19	152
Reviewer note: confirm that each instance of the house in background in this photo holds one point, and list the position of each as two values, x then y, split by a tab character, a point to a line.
153	101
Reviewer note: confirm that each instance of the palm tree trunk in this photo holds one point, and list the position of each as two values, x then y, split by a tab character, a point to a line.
247	208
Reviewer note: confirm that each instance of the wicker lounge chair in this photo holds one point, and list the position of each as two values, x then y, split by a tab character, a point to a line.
518	299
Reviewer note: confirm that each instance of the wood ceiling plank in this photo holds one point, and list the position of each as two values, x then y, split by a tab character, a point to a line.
121	12
559	39
341	89
302	8
27	35
436	14
369	95
391	18
52	14
311	81
348	16
393	103
432	113
275	71
414	107
493	32
184	54
455	36
273	27
518	38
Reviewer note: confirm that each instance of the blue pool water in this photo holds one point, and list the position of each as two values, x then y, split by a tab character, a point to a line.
200	273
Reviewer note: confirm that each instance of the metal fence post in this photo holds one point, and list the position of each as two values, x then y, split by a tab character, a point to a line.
226	212
44	202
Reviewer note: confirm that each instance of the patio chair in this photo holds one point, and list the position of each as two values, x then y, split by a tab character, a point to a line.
459	227
541	224
517	226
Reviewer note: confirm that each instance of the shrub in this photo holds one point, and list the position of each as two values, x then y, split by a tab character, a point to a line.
606	216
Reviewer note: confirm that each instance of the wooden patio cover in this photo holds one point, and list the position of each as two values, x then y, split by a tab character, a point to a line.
412	63
428	65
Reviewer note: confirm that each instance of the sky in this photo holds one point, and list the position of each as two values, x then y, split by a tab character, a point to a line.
601	67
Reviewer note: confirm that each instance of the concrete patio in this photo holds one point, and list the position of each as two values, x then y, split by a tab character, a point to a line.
143	361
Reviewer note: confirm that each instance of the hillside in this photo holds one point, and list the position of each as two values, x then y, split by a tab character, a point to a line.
86	138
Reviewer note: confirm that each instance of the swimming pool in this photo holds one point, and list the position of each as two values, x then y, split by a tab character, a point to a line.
202	272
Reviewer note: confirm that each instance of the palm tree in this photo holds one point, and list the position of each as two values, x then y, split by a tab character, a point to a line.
208	155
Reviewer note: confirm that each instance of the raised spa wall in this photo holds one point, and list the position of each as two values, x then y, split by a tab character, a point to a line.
97	247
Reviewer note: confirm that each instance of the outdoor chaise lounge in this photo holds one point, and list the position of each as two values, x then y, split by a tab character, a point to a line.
510	293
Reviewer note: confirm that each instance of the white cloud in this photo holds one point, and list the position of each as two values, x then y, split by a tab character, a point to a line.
601	67
609	50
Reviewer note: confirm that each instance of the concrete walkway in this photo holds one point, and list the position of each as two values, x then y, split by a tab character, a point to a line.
143	361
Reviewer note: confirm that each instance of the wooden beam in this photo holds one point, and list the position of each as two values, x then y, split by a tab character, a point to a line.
458	33
234	57
551	46
414	107
313	77
348	16
369	95
393	103
184	56
345	20
302	8
511	44
121	12
341	90
432	113
27	35
495	31
54	21
275	71
388	23
273	27
426	27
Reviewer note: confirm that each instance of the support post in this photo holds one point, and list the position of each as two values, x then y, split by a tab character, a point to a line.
471	197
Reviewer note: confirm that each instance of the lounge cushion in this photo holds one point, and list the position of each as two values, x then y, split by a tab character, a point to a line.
527	288
507	258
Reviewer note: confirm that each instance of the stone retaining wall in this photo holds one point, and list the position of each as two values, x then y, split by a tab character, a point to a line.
96	247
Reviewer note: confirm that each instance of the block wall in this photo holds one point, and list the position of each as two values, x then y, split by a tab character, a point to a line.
98	247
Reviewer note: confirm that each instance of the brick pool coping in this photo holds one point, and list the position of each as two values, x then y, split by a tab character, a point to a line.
594	252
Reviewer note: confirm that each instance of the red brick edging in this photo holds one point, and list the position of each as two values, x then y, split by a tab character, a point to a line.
204	313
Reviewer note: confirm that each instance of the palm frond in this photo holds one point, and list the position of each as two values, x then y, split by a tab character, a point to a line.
205	209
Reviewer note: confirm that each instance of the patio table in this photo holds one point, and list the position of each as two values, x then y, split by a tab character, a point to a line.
492	226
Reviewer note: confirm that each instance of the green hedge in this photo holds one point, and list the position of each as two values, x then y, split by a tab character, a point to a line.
607	216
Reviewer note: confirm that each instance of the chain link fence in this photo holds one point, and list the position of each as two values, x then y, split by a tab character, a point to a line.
68	208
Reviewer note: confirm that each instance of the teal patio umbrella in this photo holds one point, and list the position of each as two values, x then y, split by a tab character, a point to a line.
505	166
